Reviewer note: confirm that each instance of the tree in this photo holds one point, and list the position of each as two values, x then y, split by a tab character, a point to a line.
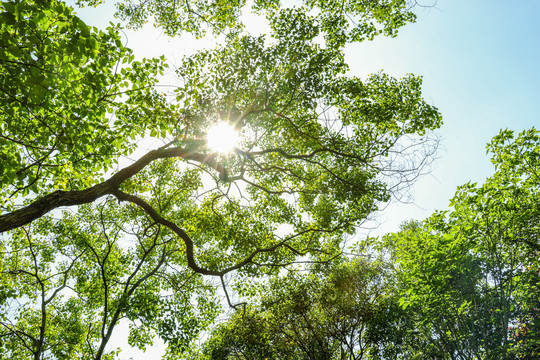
66	285
470	275
324	313
320	151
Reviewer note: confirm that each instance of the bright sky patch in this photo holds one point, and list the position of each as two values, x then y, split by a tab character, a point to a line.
222	138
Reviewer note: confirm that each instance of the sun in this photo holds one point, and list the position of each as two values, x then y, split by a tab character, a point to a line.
222	138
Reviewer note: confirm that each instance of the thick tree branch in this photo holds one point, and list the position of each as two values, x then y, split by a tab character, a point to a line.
61	198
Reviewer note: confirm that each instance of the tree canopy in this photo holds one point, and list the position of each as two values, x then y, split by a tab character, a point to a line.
471	274
319	315
91	236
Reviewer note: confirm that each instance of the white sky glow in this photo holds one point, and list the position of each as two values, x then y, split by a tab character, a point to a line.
222	138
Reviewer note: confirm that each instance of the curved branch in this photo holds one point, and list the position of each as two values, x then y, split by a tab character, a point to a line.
62	198
122	196
190	254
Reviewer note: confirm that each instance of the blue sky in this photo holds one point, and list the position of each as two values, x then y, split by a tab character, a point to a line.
480	64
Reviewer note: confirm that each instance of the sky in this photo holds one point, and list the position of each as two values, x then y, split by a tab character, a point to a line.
480	66
480	62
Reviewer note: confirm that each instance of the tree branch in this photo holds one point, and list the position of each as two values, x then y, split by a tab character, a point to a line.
60	198
190	254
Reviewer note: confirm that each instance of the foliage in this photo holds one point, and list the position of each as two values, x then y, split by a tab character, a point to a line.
462	284
341	22
55	133
63	294
325	313
470	276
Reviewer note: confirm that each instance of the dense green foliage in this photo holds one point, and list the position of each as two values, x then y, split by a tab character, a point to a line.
474	271
58	82
320	315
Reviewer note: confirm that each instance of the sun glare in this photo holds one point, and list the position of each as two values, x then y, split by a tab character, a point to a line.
222	138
